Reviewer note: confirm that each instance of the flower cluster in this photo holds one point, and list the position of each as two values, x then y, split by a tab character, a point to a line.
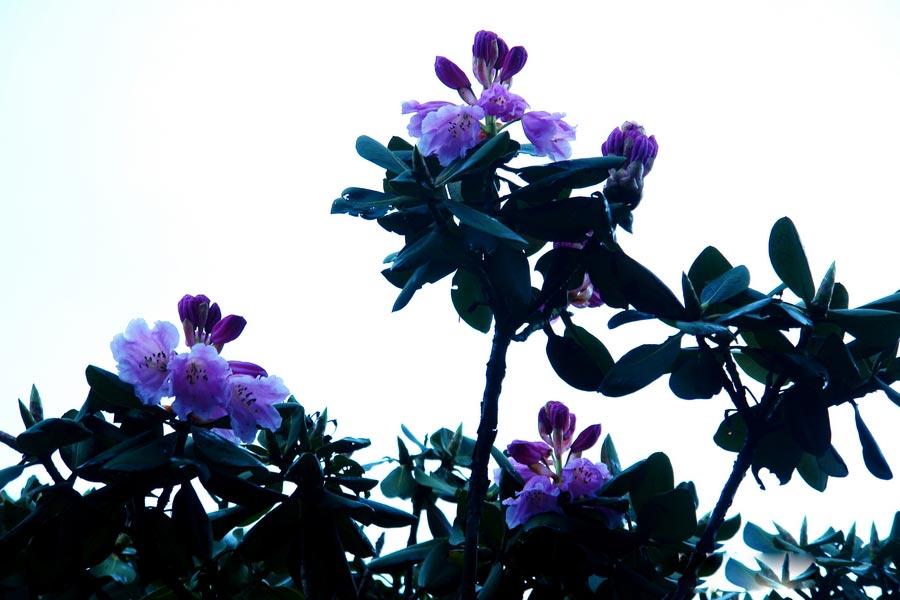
550	480
449	130
625	185
204	385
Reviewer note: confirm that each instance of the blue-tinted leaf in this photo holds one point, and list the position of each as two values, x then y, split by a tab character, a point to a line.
50	434
789	259
872	455
470	302
640	367
375	152
483	222
726	286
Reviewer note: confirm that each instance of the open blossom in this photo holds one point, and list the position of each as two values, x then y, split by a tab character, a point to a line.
540	495
549	134
200	383
497	101
553	470
142	358
450	131
420	111
251	404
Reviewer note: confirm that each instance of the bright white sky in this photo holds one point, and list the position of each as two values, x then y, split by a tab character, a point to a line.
153	149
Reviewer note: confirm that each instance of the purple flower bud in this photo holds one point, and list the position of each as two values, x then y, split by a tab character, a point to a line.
239	367
512	64
626	185
486	56
554	417
528	453
227	330
450	74
586	439
213	315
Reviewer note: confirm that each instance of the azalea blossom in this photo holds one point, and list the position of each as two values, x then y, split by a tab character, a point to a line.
450	131
200	383
549	134
251	404
142	358
554	470
497	101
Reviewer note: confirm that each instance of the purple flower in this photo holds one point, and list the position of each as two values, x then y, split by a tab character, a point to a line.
538	496
453	77
488	53
200	383
450	132
143	357
251	404
421	111
549	134
580	477
512	64
498	102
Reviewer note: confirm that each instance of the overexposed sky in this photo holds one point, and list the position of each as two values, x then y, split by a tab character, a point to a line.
153	149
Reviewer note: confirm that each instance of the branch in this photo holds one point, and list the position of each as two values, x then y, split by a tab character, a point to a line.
487	433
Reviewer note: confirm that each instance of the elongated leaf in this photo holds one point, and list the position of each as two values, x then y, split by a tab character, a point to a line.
373	151
726	286
640	367
628	316
573	363
485	155
789	259
826	289
483	222
564	220
10	473
50	434
872	455
708	265
869	325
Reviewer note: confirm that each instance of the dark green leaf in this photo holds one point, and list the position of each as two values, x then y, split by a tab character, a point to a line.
732	433
50	434
485	156
483	222
691	301
368	204
35	407
709	265
697	374
220	452
402	559
470	302
108	392
831	463
668	517
812	473
872	455
609	456
375	152
869	325
10	473
789	260
427	273
593	346
27	419
510	277
627	316
826	289
564	220
547	181
779	453
726	286
758	539
621	281
641	367
145	457
573	363
806	413
729	528
191	522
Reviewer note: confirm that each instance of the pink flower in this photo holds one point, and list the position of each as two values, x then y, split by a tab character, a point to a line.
549	134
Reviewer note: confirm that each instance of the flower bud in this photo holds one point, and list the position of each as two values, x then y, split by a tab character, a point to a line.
554	418
512	64
587	438
528	453
453	77
626	185
486	56
227	330
213	316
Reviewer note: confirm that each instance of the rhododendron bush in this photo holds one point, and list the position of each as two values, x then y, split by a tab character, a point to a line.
190	474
